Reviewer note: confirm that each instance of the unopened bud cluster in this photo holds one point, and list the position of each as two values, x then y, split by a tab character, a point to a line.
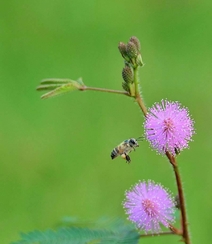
132	56
131	52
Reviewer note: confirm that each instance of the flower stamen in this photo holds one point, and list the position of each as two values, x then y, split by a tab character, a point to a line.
149	207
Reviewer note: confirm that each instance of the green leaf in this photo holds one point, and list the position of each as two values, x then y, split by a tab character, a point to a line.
117	232
55	80
79	80
59	86
47	87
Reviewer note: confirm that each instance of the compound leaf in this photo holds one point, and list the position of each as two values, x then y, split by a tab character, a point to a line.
59	86
118	232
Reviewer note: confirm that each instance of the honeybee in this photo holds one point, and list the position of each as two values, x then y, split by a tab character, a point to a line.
124	148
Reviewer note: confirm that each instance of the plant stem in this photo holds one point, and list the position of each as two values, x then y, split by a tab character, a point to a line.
138	97
173	162
84	88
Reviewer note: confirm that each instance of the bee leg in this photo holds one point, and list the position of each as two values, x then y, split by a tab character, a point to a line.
128	158
133	148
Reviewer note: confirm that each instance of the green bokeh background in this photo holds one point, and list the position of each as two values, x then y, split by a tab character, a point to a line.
55	154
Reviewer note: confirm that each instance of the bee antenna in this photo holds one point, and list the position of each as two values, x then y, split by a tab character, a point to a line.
140	138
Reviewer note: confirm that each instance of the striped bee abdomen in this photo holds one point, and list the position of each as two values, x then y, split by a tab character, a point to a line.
114	153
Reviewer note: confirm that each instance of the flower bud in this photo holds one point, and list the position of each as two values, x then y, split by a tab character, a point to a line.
135	40
127	74
125	86
123	50
132	50
139	60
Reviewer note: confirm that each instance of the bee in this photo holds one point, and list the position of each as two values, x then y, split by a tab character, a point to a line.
124	148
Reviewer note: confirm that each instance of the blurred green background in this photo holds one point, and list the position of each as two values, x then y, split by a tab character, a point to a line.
55	154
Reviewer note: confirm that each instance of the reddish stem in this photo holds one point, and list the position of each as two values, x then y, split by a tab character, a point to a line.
173	162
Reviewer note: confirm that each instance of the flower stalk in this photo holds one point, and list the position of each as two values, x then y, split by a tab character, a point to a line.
185	232
138	97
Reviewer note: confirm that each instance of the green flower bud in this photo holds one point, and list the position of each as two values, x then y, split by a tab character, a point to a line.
132	50
125	86
127	74
139	60
135	40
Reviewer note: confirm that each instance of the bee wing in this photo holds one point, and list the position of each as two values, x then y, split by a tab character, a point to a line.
124	147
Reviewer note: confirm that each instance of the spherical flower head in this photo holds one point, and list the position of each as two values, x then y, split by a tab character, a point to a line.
149	205
168	127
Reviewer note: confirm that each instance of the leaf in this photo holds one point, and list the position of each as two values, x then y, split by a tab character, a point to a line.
80	81
55	80
60	90
59	86
118	232
47	87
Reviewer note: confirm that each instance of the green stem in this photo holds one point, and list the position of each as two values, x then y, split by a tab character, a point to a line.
84	88
185	233
138	97
136	81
